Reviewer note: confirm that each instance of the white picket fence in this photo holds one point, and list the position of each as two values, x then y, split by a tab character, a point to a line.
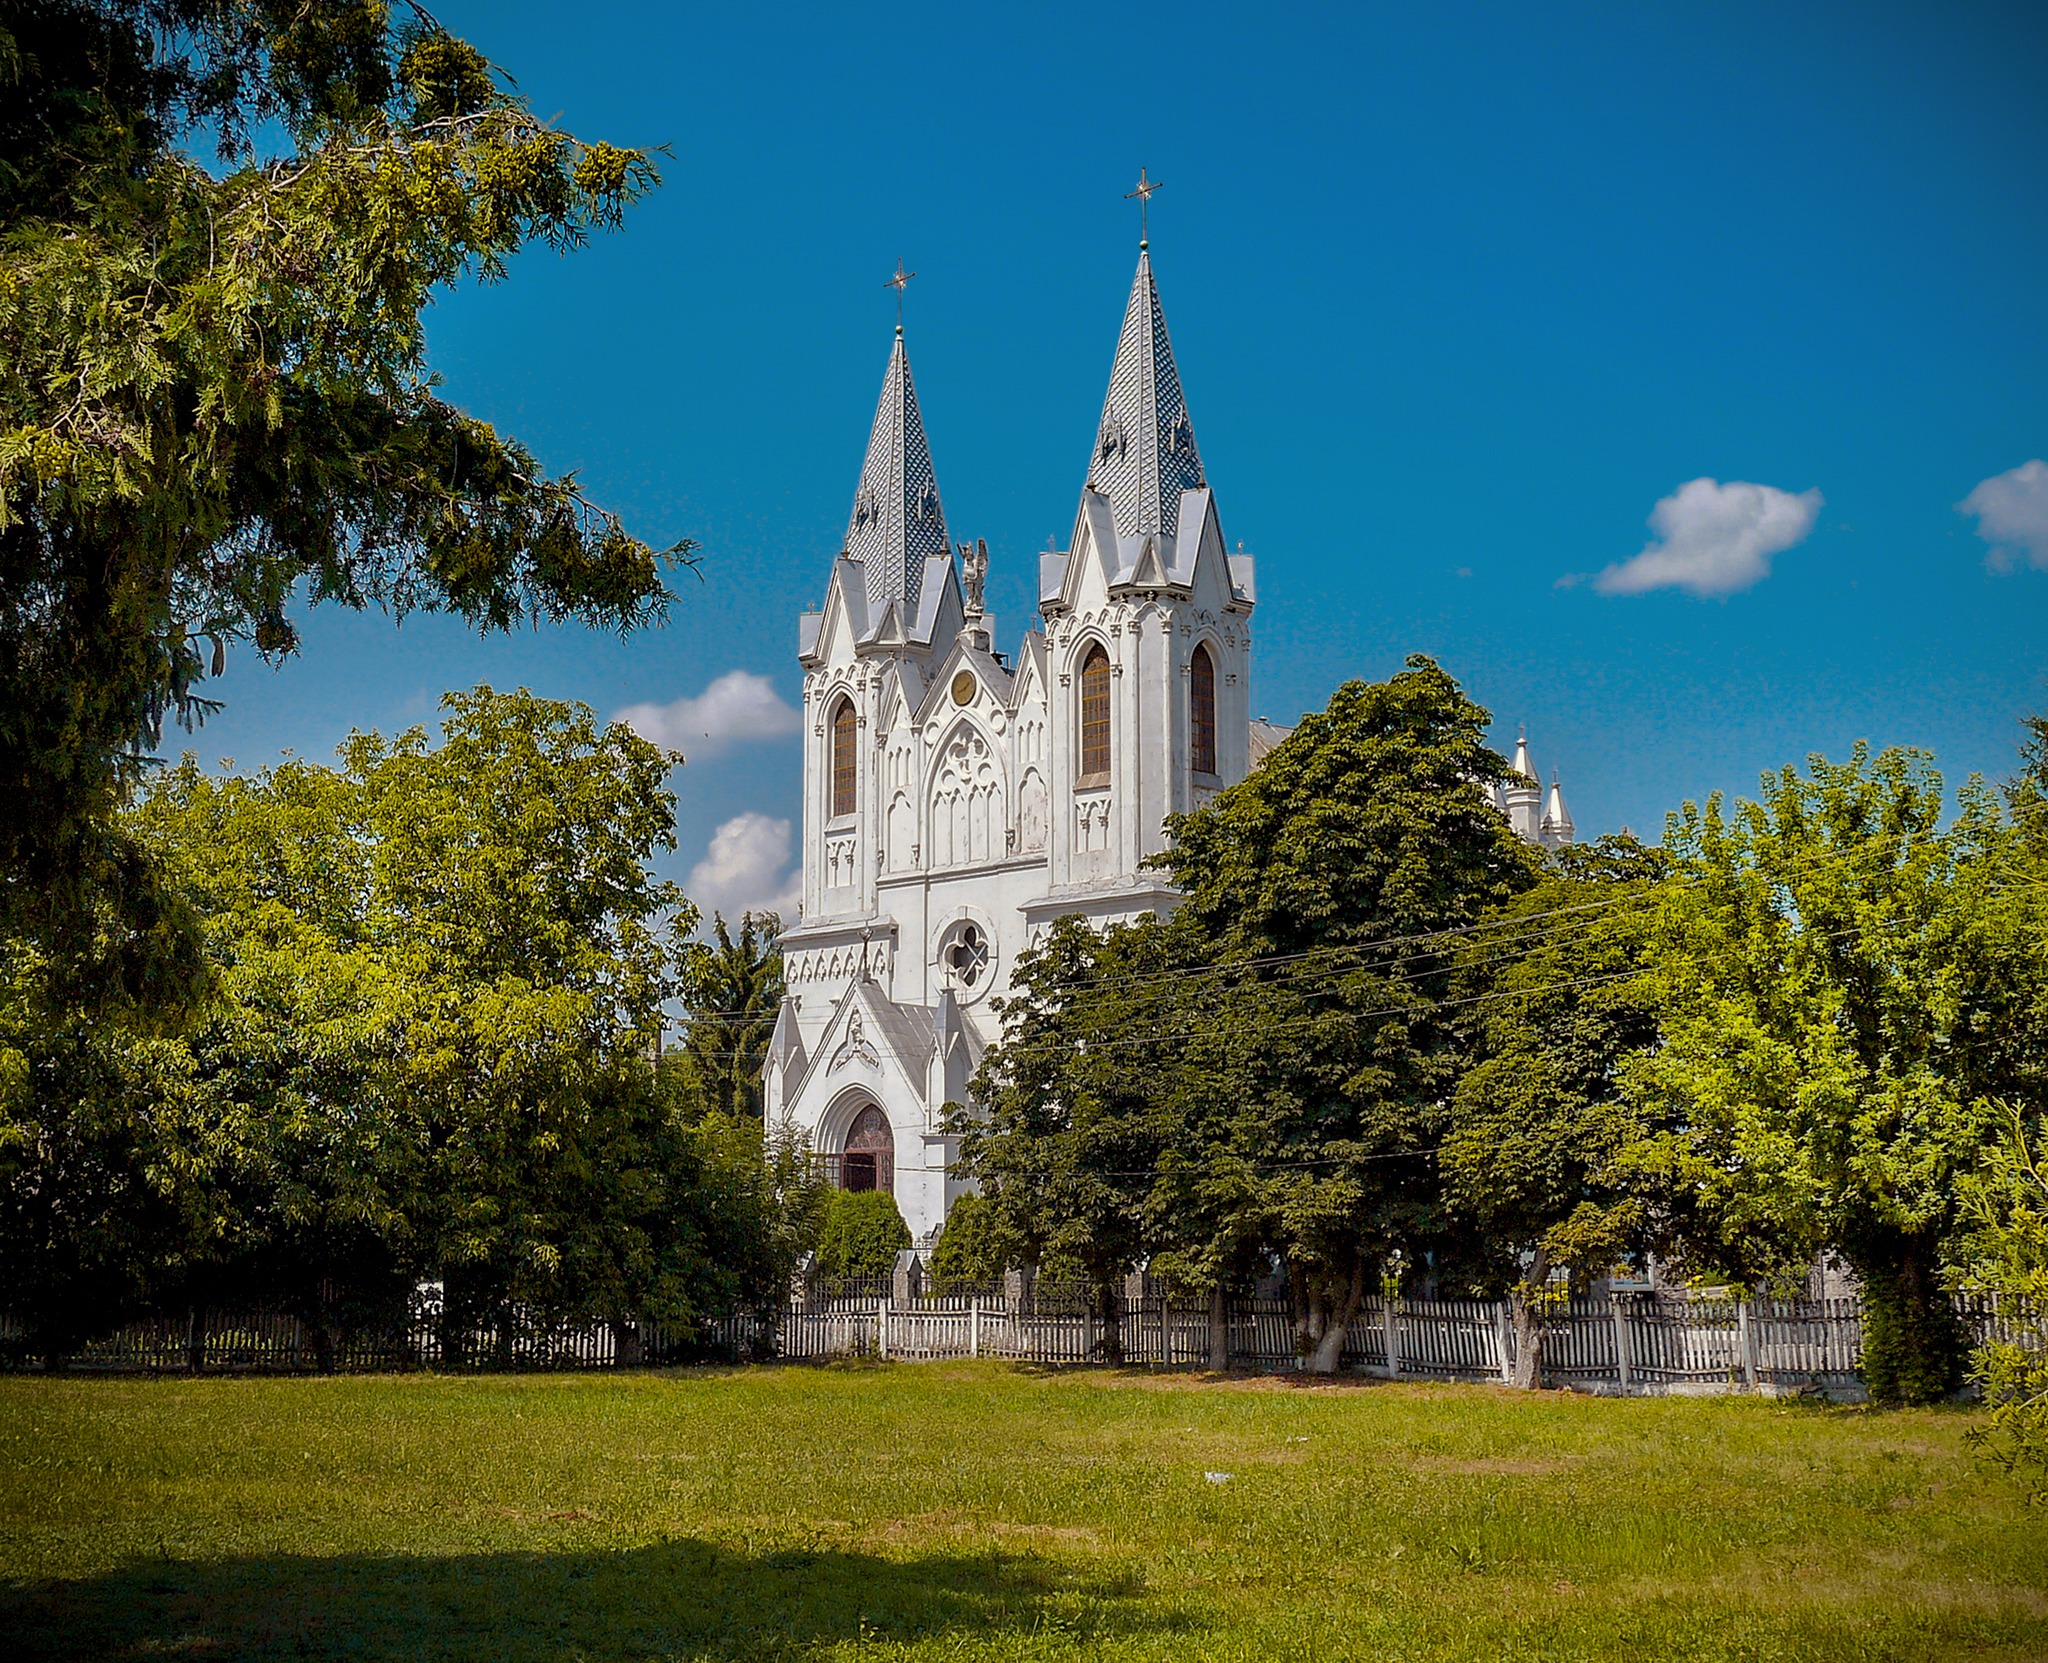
1631	1344
1624	1343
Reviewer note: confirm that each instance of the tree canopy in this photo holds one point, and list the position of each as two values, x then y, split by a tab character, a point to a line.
731	992
1538	1159
1265	1072
1846	986
426	1052
214	395
863	1232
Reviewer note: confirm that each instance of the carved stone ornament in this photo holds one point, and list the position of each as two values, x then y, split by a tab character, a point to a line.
854	1045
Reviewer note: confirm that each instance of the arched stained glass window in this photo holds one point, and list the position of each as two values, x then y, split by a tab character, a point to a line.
1202	711
870	1159
842	759
1095	713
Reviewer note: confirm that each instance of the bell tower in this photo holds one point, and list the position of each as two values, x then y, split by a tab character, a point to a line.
1148	628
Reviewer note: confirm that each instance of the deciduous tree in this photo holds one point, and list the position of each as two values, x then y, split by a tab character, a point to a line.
1536	1160
1845	985
1266	1072
2007	1258
1322	888
863	1233
214	395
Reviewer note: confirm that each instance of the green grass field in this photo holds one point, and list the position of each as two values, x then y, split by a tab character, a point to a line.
973	1511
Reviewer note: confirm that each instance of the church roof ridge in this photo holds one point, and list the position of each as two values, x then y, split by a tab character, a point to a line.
1145	453
897	525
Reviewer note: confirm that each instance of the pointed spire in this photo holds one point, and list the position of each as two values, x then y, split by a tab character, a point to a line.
1557	819
1145	452
1522	798
897	524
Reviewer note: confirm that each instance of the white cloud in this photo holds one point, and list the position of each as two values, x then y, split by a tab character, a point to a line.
2012	515
745	870
734	709
1714	539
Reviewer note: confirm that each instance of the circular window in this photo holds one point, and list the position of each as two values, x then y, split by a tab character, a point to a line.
963	687
966	958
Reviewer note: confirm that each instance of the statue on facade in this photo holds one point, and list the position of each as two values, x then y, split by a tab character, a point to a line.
974	572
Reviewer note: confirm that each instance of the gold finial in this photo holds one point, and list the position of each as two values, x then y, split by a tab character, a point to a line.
899	283
1144	195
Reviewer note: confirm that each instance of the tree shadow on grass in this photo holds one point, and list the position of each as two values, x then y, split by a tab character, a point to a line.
683	1599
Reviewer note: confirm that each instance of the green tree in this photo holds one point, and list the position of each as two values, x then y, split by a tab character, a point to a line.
439	971
1070	1112
863	1233
2007	1258
107	1165
1845	985
1264	1073
731	995
1319	1058
1537	1158
967	1250
214	394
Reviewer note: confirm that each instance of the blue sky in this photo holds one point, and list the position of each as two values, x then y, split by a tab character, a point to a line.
1460	294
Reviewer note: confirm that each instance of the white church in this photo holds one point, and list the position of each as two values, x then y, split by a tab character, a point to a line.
956	802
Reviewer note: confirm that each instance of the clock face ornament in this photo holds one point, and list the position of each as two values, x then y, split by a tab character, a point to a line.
963	687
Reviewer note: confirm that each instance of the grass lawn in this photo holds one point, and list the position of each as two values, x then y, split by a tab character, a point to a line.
972	1511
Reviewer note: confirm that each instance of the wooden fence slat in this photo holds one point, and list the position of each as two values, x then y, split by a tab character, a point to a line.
1622	1342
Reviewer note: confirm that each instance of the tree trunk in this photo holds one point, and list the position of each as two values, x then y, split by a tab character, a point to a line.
1219	1328
1110	1310
1913	1347
1328	1307
195	1340
1525	1302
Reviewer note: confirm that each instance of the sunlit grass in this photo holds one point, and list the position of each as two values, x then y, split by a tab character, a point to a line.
966	1511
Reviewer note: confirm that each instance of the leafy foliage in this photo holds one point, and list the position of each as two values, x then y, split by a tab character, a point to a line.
731	988
1073	1108
863	1233
1537	1159
1323	1053
1263	1073
1845	985
214	394
966	1251
2008	1258
437	978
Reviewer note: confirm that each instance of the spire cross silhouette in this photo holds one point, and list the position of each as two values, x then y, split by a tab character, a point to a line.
899	283
1144	195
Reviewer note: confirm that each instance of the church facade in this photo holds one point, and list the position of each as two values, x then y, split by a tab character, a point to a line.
957	800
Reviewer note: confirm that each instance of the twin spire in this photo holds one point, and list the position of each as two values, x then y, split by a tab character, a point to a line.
1144	457
897	523
1145	452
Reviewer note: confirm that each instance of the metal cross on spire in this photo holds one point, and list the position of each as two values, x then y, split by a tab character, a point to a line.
1144	195
899	283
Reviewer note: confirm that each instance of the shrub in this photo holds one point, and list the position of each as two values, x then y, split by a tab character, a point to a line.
863	1234
966	1250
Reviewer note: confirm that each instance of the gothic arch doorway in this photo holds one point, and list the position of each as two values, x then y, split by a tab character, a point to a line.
870	1159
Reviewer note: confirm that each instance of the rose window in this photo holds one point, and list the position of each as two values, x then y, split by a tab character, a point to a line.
966	957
